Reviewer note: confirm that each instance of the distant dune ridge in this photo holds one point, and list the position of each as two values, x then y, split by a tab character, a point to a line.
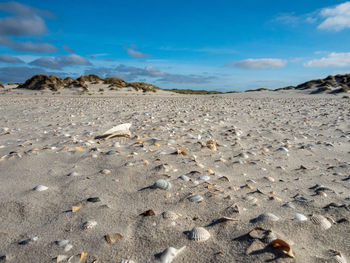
329	85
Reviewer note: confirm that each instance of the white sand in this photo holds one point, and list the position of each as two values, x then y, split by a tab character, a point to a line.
45	137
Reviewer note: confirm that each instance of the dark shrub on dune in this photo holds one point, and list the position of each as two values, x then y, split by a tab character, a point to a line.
115	82
143	86
72	83
42	82
90	78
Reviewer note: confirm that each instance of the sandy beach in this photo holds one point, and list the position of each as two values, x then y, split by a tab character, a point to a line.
230	163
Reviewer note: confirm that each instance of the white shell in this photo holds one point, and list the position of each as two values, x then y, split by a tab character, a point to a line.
61	258
204	177
119	130
73	174
300	217
170	253
340	259
162	184
321	221
196	198
127	261
199	234
89	224
250	199
62	243
267	217
40	188
170	215
185	178
68	247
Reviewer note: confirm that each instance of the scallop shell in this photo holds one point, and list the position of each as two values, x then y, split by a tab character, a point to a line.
339	259
199	234
267	217
321	221
170	215
162	184
40	188
204	177
196	198
300	217
89	224
170	253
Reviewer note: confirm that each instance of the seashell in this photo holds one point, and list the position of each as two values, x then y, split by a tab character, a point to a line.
121	130
25	242
181	151
204	177
61	258
283	149
82	256
76	208
170	253
265	149
62	243
289	205
40	188
300	217
270	179
112	238
162	184
185	178
148	213
283	246
257	233
93	199
111	152
68	247
127	261
210	171
340	259
105	171
199	234
267	217
196	198
250	199
170	215
244	155
89	225
73	174
321	221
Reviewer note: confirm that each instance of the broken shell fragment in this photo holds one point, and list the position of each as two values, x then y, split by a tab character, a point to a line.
121	130
282	246
170	253
199	234
89	225
170	215
76	208
112	238
148	213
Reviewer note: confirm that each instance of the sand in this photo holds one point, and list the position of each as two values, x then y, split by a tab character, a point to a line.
272	149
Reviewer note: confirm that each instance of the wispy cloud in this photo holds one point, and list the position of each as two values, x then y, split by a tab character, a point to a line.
10	59
332	60
336	18
25	21
132	52
262	63
60	62
68	49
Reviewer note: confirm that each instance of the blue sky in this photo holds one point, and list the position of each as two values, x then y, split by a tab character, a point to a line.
214	45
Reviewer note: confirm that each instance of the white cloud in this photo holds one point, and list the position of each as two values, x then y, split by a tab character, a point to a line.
262	63
336	18
332	60
132	52
60	62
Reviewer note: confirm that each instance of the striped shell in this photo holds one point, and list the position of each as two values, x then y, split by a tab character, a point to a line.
162	184
170	215
199	234
40	188
267	217
321	221
196	198
339	259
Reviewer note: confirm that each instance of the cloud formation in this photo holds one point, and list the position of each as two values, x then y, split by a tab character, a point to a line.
130	73
25	21
60	62
132	52
336	18
68	49
19	74
332	60
10	59
262	63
